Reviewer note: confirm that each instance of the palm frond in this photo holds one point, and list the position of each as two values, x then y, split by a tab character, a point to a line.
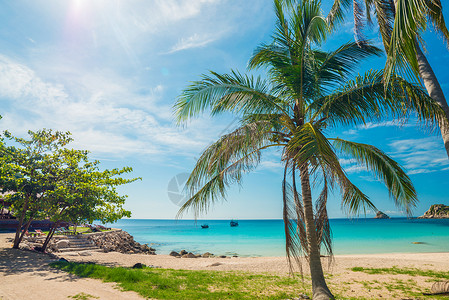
308	24
338	66
228	92
435	14
410	19
354	201
384	168
337	13
309	145
294	229
323	228
385	13
366	98
270	55
368	7
224	163
359	23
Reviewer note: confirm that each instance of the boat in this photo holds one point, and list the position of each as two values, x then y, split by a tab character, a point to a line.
204	226
234	223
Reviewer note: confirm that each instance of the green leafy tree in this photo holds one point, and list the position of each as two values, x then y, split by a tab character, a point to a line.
24	171
401	23
52	182
308	93
84	193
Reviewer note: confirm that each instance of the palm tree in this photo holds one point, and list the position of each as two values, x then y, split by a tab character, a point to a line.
400	24
306	95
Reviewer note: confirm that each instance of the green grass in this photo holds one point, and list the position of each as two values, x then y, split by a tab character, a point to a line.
408	287
404	271
83	296
187	284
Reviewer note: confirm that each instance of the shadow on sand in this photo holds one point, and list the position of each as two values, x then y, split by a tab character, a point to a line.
14	262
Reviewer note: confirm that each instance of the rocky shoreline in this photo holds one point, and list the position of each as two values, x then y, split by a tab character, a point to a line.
186	254
115	240
436	211
108	241
119	241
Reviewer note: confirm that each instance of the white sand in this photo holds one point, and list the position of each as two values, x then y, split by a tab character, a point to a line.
22	272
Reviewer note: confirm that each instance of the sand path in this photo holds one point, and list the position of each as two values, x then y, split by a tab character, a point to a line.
26	275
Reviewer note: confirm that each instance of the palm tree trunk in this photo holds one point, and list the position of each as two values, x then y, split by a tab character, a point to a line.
319	286
435	92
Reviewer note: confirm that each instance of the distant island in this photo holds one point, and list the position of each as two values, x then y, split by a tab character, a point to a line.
381	215
436	211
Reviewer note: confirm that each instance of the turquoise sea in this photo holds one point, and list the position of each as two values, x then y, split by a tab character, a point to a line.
266	237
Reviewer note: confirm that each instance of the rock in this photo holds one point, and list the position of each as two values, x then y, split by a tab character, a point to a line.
440	287
85	253
381	215
189	255
174	253
183	252
207	254
154	267
436	211
23	246
222	256
62	244
139	266
235	256
120	241
417	243
215	264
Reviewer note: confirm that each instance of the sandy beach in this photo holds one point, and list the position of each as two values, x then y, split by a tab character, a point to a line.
26	275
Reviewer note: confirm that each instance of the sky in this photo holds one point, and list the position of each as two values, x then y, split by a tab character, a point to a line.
109	71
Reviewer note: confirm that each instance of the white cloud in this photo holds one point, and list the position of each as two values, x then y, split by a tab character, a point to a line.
370	178
274	166
346	161
105	114
370	125
399	123
194	41
350	132
355	169
18	81
424	155
176	10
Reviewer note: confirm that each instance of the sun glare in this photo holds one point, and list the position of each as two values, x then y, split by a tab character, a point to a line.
78	4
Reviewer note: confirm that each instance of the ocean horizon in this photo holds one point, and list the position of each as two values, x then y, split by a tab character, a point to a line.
265	237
